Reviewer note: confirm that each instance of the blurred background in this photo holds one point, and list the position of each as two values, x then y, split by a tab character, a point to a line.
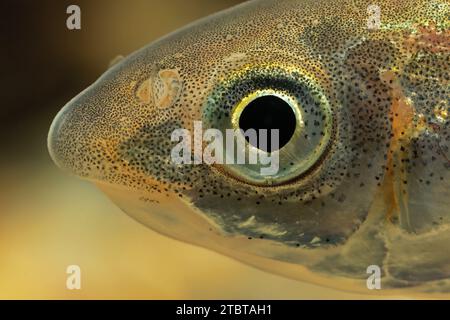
49	220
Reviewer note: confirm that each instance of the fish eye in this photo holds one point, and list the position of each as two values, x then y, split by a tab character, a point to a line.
272	97
266	110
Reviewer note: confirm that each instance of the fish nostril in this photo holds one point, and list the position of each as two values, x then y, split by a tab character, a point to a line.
269	112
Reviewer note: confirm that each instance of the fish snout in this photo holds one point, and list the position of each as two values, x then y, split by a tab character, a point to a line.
83	136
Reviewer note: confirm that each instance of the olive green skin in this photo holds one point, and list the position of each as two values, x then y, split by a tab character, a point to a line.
377	192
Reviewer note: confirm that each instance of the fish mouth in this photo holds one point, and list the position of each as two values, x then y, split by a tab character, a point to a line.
86	139
78	140
61	131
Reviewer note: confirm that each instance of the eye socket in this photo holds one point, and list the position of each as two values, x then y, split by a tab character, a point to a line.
290	101
269	112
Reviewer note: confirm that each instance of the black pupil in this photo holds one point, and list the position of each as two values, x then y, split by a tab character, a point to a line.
269	112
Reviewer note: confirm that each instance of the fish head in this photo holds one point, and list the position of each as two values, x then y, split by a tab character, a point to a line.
359	112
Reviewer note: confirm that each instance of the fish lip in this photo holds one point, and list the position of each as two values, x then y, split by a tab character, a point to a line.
57	126
53	134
